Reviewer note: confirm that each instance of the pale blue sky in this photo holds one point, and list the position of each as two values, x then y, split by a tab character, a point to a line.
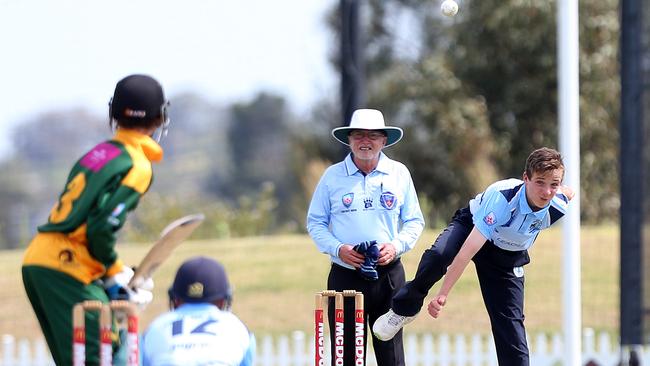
64	53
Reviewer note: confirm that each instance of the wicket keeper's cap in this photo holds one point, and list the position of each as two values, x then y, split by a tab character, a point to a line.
138	98
368	119
201	279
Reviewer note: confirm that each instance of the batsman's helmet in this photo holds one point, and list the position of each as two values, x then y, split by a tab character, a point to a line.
201	279
139	101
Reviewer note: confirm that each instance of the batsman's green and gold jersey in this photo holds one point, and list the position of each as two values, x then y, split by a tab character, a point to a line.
102	187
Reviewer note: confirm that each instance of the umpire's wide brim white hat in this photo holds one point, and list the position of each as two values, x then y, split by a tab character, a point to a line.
368	119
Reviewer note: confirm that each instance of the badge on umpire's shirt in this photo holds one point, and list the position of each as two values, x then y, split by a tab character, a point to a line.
518	271
347	199
388	200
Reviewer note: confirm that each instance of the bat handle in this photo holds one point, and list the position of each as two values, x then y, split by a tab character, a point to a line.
135	282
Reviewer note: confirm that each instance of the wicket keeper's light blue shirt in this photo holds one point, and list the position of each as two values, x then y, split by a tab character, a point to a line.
349	207
198	334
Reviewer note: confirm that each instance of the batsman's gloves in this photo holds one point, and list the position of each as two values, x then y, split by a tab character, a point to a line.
140	297
117	288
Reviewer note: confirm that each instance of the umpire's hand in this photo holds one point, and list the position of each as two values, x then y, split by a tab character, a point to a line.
350	256
387	253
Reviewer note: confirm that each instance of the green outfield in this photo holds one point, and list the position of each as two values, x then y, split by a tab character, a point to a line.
275	279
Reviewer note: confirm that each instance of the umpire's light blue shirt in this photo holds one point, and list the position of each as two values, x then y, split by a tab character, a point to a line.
348	207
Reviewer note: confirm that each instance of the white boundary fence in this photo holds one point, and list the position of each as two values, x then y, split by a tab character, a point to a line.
426	350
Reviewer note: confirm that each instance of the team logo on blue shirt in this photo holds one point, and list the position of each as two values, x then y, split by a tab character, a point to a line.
535	226
490	218
347	199
388	200
367	202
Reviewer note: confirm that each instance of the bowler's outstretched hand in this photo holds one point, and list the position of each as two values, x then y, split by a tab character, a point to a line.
436	305
568	192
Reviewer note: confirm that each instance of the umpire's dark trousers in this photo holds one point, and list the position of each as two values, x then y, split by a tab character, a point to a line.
377	300
502	290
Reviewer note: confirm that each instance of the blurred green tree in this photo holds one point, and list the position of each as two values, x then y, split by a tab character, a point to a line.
259	140
476	93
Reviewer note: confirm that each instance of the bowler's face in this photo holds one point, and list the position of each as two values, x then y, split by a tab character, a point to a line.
542	187
366	144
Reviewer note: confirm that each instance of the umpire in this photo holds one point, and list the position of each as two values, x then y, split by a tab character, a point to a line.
365	214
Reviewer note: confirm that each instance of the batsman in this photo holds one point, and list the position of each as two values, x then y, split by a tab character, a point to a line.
72	258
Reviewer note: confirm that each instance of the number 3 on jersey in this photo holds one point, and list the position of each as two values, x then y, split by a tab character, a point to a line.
73	190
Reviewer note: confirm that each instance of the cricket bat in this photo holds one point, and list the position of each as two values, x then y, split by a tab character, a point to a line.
171	237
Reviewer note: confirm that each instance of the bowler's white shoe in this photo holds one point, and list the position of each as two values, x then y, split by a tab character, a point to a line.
389	324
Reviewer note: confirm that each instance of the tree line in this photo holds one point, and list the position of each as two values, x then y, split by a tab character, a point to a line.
474	95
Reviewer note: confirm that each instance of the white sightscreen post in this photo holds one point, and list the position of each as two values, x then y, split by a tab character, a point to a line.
569	128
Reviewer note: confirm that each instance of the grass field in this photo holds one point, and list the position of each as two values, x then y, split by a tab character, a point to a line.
274	280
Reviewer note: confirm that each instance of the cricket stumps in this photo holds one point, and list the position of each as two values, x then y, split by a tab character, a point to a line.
339	331
106	312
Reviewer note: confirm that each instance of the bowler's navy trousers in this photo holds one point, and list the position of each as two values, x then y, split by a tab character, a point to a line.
501	286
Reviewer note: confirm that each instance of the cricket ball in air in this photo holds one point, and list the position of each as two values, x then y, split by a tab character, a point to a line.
449	8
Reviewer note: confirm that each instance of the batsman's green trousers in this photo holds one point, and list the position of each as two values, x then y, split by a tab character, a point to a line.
53	294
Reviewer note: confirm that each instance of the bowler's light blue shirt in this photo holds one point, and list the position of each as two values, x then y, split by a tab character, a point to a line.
502	214
349	207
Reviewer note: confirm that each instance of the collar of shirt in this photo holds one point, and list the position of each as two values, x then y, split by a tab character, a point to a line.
524	207
140	141
382	166
200	306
